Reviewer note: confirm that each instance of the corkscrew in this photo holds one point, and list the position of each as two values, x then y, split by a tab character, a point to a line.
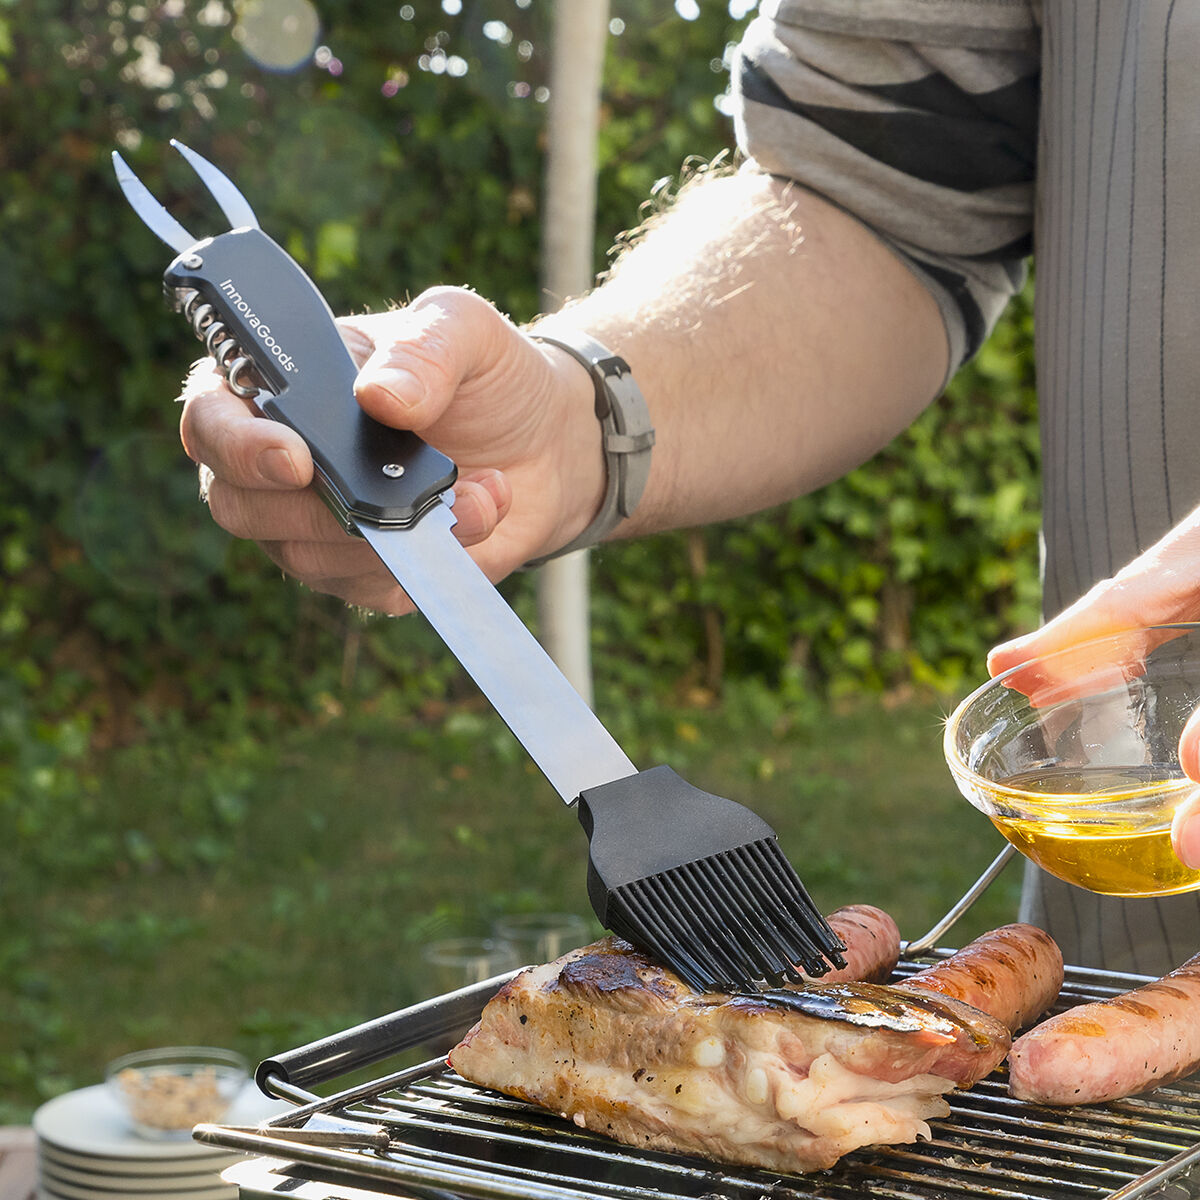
232	360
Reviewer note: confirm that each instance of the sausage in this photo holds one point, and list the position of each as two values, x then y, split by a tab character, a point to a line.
872	941
1115	1047
1013	973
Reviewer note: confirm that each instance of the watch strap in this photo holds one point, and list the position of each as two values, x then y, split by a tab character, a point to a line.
627	435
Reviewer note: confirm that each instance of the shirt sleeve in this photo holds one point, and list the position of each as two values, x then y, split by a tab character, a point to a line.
920	119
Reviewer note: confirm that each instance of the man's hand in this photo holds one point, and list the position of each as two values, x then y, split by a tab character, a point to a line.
1159	587
514	416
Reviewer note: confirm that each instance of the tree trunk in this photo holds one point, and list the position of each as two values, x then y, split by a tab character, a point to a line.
568	224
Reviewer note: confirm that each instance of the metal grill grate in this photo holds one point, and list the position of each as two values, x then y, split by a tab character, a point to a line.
445	1137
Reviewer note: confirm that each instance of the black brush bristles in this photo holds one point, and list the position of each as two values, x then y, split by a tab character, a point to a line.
701	884
723	924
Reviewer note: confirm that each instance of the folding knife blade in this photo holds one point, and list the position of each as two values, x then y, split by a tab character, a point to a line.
545	713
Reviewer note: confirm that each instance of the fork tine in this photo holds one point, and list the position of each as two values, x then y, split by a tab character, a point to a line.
160	222
224	191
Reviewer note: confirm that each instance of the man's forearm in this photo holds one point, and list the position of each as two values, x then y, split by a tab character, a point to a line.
778	343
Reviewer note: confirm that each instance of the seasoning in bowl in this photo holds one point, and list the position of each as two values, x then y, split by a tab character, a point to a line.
168	1091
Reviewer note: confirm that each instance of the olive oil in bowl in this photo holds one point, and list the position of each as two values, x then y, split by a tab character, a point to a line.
1074	757
1102	828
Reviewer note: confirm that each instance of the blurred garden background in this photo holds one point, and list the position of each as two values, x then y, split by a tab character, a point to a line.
231	810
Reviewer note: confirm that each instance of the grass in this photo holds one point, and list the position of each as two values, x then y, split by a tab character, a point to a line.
297	901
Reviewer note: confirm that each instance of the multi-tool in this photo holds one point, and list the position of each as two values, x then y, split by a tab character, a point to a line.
696	880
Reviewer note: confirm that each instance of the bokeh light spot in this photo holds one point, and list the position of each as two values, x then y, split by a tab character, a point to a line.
279	35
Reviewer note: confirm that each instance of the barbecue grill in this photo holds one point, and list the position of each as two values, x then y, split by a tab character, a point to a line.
427	1134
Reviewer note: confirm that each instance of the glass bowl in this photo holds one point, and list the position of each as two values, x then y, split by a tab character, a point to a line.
541	937
1075	758
165	1092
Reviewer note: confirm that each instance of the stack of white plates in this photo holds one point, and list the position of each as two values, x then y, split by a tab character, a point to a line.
86	1151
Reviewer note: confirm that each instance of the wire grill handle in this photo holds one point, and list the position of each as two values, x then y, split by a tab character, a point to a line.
935	935
373	1041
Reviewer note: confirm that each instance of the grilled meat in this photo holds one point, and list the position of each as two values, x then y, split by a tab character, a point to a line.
872	942
1115	1047
791	1080
1014	973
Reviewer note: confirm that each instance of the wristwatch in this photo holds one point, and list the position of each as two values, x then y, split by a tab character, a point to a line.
626	431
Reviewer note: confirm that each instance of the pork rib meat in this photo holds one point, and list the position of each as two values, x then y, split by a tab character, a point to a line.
790	1080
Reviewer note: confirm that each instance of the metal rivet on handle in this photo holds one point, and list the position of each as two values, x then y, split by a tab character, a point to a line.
193	262
393	470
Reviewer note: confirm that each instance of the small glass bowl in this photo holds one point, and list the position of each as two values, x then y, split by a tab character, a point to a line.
541	937
168	1091
1075	758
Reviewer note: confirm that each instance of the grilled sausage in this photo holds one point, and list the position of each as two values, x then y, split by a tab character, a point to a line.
872	943
1115	1047
1014	973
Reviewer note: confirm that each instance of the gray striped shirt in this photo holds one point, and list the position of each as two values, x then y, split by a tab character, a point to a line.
960	130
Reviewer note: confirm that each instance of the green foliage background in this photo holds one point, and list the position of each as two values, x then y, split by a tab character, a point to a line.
126	617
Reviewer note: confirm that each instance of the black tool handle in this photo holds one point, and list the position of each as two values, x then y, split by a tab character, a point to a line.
275	314
372	1041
